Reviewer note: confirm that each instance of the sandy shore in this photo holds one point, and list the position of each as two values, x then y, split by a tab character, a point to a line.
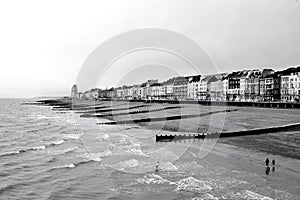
285	178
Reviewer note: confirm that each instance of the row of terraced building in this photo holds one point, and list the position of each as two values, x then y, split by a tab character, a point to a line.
245	85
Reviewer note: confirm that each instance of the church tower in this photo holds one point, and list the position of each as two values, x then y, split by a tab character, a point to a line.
74	92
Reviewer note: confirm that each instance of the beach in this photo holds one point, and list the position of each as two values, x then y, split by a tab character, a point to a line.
50	153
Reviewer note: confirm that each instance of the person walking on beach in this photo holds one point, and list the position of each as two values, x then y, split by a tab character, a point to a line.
156	167
273	165
267	162
267	166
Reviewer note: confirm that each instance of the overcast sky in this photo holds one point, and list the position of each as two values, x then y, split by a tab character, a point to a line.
43	44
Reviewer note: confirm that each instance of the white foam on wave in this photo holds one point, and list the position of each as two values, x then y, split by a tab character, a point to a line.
190	166
135	149
192	184
58	142
128	147
10	153
168	166
97	156
72	136
105	136
206	196
39	148
153	179
129	163
70	149
64	166
247	194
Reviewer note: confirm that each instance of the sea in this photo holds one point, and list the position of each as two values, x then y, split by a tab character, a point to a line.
46	154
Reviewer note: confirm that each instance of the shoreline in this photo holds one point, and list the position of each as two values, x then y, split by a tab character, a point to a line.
279	105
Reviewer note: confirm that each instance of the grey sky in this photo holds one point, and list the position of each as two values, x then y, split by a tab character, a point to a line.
43	44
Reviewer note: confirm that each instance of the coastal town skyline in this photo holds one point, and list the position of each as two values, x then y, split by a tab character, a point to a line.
244	85
42	53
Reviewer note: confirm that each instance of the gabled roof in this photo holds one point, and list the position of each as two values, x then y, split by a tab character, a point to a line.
169	81
289	71
238	74
156	84
180	79
195	78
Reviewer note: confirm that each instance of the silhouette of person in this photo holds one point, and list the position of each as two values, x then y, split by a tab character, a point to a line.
156	167
273	165
267	162
267	170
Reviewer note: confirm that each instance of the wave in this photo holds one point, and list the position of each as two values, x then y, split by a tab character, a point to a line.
10	187
9	153
22	151
128	147
192	184
38	148
72	136
65	166
73	165
168	166
53	159
63	151
105	136
247	194
91	157
69	150
97	156
42	147
129	163
206	196
153	179
6	188
189	184
2	174
58	142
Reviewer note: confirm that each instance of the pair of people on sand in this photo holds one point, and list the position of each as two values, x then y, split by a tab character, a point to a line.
268	169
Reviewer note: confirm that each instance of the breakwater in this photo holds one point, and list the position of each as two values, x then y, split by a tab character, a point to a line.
206	135
167	118
127	113
285	105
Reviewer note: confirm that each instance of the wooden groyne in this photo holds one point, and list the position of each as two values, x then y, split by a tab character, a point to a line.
257	131
285	105
167	118
127	113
